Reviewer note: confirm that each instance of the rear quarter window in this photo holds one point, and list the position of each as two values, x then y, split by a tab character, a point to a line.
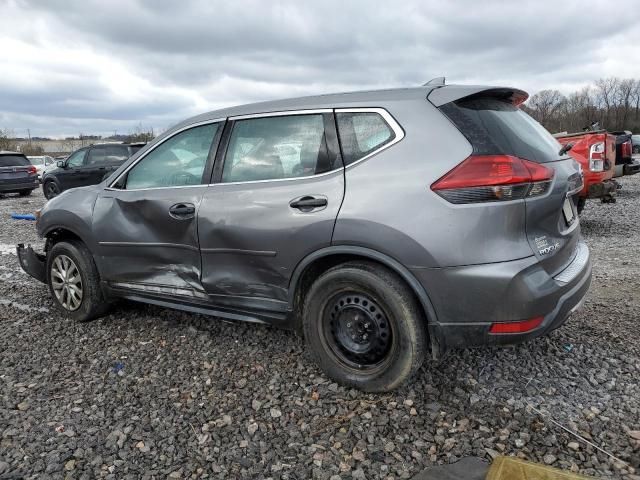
362	133
497	127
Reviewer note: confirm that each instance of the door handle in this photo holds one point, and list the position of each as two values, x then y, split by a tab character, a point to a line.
182	210
308	203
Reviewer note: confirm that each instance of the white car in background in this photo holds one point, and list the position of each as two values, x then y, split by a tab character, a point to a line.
41	162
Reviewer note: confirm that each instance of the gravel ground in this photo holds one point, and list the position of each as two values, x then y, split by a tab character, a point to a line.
152	393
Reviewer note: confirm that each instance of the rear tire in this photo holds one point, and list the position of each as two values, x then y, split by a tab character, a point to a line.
25	193
364	327
582	202
50	189
74	281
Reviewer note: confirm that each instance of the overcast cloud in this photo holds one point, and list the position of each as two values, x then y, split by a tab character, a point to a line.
97	67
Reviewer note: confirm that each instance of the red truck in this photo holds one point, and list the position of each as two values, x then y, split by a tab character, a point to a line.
596	152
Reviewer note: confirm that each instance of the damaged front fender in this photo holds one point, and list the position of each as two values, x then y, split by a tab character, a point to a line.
35	264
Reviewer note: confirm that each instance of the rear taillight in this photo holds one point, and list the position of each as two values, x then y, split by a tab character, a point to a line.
492	178
626	148
32	169
596	157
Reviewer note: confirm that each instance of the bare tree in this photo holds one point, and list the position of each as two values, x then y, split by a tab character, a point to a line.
612	102
547	106
6	140
141	134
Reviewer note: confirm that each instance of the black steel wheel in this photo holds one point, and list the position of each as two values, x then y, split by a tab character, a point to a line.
364	326
357	330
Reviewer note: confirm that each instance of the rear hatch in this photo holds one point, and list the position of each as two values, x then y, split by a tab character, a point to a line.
493	123
15	169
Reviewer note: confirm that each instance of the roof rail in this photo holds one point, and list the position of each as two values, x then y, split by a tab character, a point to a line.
435	81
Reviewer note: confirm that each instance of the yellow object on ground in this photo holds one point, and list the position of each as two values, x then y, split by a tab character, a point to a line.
512	468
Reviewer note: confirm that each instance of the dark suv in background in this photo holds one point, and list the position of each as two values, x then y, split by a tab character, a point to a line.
87	166
387	226
17	174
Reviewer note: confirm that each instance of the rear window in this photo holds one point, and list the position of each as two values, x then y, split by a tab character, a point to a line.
497	127
13	161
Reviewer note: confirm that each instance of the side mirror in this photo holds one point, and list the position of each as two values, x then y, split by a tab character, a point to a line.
60	164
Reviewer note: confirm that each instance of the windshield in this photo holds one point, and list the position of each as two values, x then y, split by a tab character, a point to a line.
494	126
13	161
36	160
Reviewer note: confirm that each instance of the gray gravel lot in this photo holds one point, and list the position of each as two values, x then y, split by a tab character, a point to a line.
154	393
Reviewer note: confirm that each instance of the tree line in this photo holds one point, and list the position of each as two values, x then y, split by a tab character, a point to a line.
614	103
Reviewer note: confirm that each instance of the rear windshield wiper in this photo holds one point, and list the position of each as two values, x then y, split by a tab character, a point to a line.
565	149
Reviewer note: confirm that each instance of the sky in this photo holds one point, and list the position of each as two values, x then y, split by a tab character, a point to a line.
98	67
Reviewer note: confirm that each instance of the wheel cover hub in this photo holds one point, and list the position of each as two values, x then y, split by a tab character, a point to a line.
357	330
66	282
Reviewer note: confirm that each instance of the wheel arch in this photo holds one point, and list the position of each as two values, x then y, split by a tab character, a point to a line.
53	179
321	260
59	233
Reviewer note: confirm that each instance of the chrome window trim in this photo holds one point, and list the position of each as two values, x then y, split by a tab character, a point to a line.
395	126
186	127
336	170
282	113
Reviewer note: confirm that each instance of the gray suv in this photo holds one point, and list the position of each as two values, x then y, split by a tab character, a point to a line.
384	225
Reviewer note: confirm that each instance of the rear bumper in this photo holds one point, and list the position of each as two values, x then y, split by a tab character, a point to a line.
32	263
632	168
602	189
6	187
468	299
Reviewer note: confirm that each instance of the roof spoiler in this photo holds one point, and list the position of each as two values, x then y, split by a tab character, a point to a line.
450	93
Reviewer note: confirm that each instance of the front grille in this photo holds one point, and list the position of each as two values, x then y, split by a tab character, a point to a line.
577	264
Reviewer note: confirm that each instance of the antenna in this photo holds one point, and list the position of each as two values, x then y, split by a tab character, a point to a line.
435	81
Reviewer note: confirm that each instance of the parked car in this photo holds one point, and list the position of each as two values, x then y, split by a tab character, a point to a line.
86	166
625	163
596	152
414	220
635	140
41	162
17	175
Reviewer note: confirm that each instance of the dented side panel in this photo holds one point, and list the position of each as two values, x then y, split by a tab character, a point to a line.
252	239
141	245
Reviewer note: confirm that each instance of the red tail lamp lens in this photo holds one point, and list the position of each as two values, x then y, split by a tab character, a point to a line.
486	178
522	326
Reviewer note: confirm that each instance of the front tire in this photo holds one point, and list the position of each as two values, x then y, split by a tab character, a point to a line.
50	189
364	327
74	281
25	193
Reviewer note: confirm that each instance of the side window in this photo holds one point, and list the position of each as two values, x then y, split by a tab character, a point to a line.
115	154
271	148
361	133
96	156
178	161
77	159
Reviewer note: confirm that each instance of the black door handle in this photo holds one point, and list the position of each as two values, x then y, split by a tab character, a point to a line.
308	203
182	210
